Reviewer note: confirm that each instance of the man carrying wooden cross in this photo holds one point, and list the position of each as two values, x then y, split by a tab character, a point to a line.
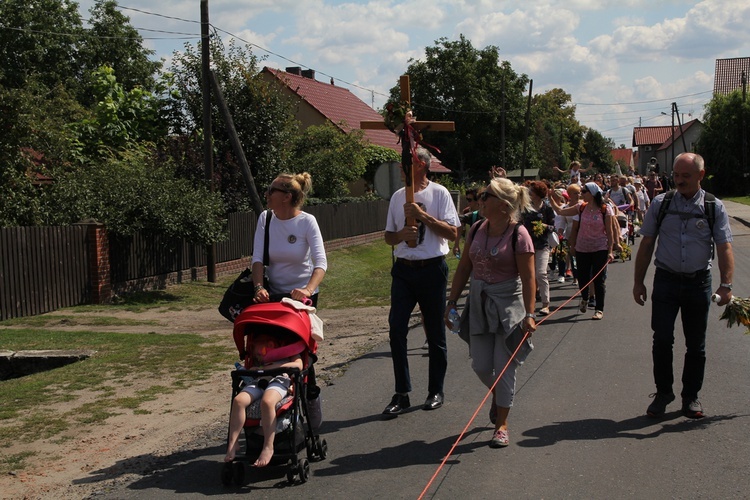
422	220
420	276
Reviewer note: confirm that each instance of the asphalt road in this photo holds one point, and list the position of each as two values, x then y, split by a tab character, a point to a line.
578	428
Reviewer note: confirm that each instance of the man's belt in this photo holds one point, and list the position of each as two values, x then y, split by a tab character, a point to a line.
420	263
686	276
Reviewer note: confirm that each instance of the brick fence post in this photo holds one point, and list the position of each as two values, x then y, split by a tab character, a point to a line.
97	241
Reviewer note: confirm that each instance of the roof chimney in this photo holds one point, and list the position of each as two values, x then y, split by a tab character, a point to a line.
294	70
309	73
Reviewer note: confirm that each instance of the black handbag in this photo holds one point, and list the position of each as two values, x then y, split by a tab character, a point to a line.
241	292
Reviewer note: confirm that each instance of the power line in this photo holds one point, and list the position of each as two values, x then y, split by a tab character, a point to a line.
642	102
105	37
158	15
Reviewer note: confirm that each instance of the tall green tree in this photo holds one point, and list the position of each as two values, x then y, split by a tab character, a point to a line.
40	37
726	131
460	83
262	115
332	158
557	133
111	41
598	150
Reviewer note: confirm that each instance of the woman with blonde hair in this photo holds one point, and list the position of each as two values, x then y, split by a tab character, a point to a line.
297	259
499	257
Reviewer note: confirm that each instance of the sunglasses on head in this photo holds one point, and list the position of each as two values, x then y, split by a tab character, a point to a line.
486	195
273	189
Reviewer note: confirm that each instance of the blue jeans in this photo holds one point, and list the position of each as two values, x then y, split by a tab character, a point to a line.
692	298
424	286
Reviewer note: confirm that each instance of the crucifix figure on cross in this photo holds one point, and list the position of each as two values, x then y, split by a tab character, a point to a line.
410	134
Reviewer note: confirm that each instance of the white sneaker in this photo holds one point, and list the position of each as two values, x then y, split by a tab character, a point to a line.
561	279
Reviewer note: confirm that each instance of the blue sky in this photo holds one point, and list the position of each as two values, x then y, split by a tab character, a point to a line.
623	61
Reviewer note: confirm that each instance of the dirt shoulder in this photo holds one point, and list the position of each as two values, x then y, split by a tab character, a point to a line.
91	457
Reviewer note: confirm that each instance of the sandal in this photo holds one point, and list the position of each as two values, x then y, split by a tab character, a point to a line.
598	315
500	439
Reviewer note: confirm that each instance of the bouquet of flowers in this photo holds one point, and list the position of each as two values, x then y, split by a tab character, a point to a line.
625	251
737	312
538	228
561	251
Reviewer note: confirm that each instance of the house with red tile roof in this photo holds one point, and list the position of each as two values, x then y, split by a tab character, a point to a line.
663	144
319	103
623	157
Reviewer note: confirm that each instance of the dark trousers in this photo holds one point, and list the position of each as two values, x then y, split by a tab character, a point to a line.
424	286
691	296
590	263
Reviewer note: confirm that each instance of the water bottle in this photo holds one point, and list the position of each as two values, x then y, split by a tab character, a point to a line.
455	320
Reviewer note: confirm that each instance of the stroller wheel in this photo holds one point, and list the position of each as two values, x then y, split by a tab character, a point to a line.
304	470
238	473
323	449
226	474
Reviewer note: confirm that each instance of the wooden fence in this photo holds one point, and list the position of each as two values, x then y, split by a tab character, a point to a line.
42	269
46	268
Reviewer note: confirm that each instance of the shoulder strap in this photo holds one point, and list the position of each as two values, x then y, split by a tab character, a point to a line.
269	216
709	208
663	208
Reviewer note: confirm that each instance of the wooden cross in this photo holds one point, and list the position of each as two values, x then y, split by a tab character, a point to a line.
408	141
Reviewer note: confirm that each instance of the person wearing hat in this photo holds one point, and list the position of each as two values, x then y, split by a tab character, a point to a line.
591	242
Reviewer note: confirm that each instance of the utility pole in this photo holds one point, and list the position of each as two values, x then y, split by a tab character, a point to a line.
744	124
679	124
670	167
208	160
526	134
502	124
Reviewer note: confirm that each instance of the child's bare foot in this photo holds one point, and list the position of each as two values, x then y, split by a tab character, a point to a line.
265	457
231	453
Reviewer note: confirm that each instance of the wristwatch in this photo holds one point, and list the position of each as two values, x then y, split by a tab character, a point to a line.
531	315
728	286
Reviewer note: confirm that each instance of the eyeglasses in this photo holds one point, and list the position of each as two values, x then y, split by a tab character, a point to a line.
486	195
273	189
585	190
470	200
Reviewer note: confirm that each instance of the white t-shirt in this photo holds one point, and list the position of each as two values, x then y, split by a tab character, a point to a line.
438	203
295	248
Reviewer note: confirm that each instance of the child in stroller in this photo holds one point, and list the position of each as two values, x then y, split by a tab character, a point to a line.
269	390
275	340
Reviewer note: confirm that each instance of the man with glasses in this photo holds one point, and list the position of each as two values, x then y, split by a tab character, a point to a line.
682	280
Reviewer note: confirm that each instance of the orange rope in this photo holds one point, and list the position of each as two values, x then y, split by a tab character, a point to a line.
491	389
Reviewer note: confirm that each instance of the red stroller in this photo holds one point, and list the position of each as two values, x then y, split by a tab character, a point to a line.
277	319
